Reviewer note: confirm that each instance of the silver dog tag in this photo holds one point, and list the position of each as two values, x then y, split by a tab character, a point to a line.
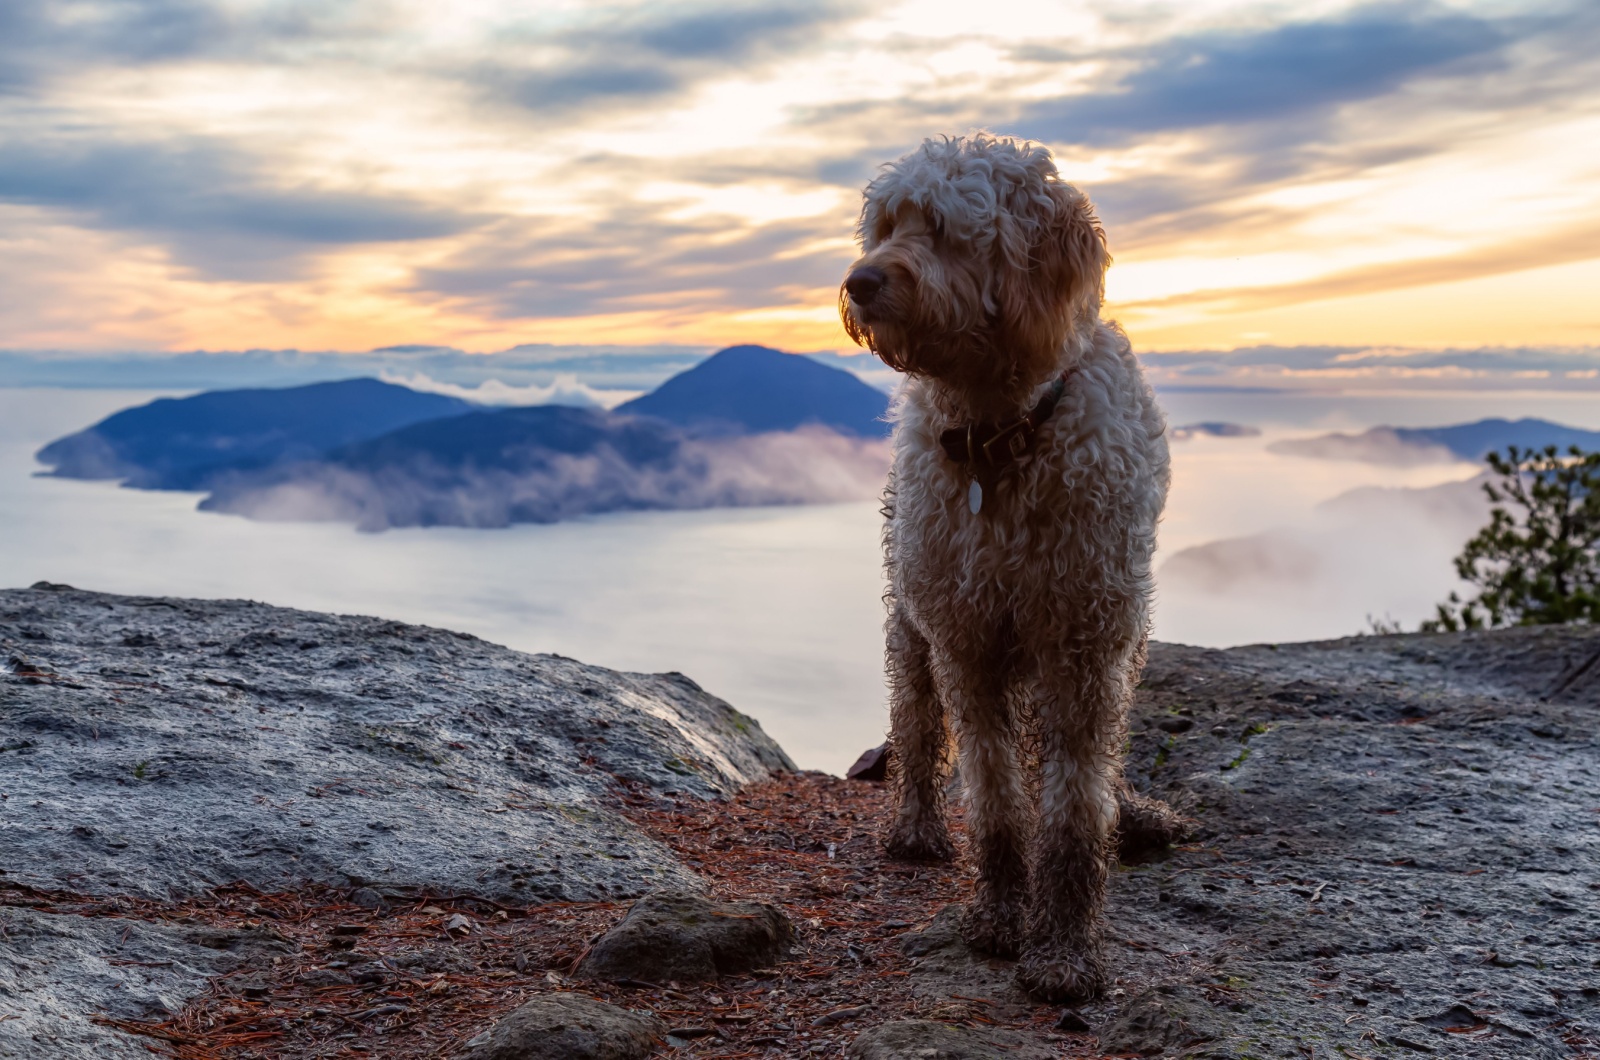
974	497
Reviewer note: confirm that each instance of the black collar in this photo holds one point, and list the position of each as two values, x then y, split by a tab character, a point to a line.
991	446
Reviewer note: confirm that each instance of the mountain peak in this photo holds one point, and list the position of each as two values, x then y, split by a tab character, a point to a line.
754	389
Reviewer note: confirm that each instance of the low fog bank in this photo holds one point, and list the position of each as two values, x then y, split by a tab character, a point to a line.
812	465
1372	552
1212	429
565	388
1380	445
1412	446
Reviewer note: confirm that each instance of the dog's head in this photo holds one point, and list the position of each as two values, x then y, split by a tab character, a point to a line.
977	262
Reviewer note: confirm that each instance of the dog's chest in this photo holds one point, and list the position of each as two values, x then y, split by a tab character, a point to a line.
1023	525
1078	508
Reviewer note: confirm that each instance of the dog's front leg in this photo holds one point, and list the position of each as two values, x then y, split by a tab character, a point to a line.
996	801
1080	725
920	739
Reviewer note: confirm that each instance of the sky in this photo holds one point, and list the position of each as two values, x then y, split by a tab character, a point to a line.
1370	182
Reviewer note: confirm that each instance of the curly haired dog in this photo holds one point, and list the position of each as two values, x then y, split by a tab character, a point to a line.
1030	470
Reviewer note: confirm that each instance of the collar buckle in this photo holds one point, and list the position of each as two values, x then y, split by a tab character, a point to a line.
994	445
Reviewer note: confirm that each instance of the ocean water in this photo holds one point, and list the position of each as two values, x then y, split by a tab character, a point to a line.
777	610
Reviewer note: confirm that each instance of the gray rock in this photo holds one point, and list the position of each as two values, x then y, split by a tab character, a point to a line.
1168	1020
945	967
1395	831
927	1040
162	747
367	898
57	971
567	1027
685	937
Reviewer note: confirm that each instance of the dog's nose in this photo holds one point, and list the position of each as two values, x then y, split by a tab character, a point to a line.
864	284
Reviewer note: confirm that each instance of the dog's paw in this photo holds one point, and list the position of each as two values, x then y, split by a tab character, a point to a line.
995	930
1055	976
1146	825
925	843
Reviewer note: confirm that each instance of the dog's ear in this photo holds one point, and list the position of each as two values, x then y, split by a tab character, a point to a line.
1058	284
870	222
1073	255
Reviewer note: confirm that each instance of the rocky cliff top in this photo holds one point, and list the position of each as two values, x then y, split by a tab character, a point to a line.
1398	856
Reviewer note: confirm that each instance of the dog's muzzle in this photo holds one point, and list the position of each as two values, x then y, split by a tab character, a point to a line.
864	284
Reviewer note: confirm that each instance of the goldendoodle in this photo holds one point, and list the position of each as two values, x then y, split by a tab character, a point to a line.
1030	470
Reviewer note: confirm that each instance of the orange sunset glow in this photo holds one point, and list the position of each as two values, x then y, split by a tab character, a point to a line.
224	174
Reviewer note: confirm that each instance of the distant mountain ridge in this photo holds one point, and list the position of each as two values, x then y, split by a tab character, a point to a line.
752	389
1474	441
750	425
1402	446
187	443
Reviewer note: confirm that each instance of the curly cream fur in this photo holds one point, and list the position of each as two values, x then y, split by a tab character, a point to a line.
1020	629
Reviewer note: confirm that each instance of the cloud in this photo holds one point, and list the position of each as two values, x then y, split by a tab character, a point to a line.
49	40
526	150
565	389
1379	445
1369	551
643	55
636	256
1231	76
535	374
1577	243
36	36
1362	367
212	203
607	370
1242	112
812	465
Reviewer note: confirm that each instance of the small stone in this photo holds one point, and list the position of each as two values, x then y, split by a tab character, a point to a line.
680	936
369	973
365	897
567	1027
872	765
458	923
1169	1017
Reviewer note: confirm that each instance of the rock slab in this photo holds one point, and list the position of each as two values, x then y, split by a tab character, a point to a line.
1397	833
684	937
162	747
57	971
567	1027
